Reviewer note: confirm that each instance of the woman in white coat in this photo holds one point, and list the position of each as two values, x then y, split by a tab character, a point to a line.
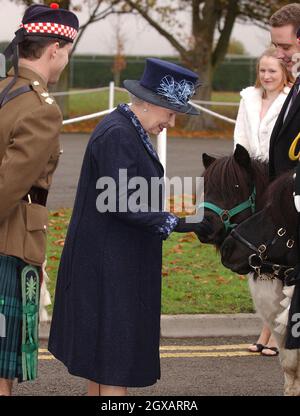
259	108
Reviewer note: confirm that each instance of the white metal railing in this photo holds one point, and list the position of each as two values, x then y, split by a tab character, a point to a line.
222	103
111	98
213	113
87	91
87	117
162	137
112	88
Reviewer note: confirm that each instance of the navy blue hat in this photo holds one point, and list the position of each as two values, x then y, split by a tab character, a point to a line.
50	21
166	85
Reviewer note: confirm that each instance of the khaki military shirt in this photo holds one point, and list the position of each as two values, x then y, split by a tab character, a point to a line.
29	151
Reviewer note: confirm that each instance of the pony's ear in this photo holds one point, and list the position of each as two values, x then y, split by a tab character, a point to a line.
242	156
207	160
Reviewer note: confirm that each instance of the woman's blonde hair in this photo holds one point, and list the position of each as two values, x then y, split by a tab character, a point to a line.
287	77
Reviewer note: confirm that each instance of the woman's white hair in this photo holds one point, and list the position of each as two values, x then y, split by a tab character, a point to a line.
135	100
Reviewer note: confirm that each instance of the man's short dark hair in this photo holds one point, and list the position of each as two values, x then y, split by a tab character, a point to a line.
33	47
287	15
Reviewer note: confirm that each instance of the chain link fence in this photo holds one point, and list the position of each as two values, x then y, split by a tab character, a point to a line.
235	73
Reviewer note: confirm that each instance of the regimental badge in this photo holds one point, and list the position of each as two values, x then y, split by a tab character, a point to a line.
49	100
296	193
292	151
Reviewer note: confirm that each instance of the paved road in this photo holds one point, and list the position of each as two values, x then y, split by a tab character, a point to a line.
191	367
183	159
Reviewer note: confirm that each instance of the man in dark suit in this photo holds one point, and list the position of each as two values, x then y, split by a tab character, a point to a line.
284	142
285	24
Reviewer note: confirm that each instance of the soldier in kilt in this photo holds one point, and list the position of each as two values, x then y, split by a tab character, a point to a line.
30	123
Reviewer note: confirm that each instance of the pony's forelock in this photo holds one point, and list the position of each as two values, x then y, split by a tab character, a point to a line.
225	173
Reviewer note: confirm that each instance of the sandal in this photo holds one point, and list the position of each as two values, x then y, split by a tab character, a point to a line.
274	349
259	347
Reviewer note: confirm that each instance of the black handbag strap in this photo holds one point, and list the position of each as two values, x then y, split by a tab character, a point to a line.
12	50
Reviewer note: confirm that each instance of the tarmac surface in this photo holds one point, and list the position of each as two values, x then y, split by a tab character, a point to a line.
189	367
184	158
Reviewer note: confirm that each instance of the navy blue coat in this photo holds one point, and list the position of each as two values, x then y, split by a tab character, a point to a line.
283	134
106	318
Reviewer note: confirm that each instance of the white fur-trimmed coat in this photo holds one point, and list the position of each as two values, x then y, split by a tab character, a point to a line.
251	132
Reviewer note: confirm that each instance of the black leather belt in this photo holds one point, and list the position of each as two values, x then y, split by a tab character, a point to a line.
36	196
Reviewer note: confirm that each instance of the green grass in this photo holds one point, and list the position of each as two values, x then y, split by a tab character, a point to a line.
58	224
81	104
194	280
226	96
228	111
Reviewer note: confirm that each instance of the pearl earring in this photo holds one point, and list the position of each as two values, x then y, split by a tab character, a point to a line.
145	110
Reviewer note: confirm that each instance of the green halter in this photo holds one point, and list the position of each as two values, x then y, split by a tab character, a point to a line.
226	215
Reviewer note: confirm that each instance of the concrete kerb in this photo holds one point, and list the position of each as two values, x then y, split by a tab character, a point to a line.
209	325
204	325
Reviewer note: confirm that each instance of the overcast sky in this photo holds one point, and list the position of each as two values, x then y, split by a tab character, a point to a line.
140	38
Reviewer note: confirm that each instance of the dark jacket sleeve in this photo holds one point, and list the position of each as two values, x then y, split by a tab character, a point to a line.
112	153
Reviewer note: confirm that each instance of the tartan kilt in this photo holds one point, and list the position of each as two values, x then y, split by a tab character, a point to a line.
15	316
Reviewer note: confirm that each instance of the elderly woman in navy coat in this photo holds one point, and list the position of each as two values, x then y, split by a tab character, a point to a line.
106	318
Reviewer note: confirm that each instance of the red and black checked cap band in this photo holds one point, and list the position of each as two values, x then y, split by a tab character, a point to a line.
51	21
49	28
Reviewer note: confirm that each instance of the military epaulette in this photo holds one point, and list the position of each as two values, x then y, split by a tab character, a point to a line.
42	93
16	93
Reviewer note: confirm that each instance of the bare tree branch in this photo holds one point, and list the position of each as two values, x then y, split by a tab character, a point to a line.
96	16
223	42
82	28
159	28
196	47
